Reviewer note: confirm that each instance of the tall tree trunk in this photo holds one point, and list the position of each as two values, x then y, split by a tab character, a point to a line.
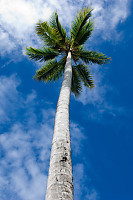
60	180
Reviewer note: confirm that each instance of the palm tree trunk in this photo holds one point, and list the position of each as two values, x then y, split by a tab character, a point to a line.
60	180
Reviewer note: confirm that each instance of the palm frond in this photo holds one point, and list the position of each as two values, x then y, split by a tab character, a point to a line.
43	54
56	25
90	56
85	33
43	34
76	87
84	75
49	35
51	71
81	27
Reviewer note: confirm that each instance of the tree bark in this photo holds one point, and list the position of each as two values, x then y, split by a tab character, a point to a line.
60	179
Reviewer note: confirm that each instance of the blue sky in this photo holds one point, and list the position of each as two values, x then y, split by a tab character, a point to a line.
100	119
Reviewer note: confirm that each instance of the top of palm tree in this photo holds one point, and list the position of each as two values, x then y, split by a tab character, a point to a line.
57	44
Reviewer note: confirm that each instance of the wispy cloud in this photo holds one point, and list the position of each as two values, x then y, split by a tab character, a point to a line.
80	187
107	15
25	162
8	100
77	137
18	18
92	195
7	63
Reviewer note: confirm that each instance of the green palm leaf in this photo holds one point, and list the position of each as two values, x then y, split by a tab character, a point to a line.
85	33
81	28
41	54
51	71
42	33
90	56
56	25
84	75
76	87
49	35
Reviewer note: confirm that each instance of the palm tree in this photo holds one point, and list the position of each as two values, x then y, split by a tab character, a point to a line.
66	55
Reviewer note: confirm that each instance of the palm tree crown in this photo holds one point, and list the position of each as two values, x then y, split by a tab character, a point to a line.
57	44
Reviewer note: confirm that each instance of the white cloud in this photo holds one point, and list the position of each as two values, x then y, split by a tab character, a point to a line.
4	41
77	137
92	195
18	18
80	187
26	149
8	96
108	14
78	180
